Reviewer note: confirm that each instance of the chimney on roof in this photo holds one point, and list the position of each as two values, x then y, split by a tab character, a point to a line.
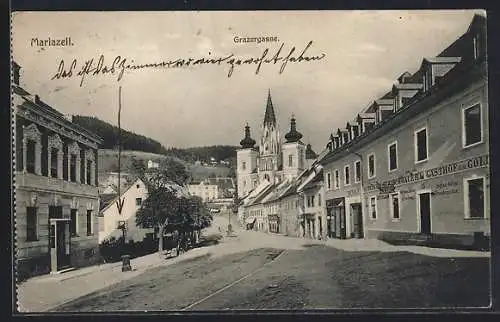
16	72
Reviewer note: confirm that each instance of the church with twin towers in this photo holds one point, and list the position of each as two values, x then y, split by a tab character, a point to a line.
272	160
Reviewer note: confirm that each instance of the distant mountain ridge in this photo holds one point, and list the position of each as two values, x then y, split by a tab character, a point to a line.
136	142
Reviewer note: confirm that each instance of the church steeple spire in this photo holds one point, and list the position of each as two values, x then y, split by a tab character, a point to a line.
293	135
269	117
247	141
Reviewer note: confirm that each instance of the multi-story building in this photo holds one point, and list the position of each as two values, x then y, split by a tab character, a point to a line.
213	189
414	165
56	188
289	212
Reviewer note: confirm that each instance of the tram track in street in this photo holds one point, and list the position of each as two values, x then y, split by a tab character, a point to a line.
228	286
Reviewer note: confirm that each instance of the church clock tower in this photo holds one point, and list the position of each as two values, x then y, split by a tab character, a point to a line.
269	147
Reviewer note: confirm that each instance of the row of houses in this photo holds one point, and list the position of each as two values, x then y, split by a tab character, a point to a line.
412	166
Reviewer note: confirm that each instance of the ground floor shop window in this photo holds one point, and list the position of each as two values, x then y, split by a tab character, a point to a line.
474	198
395	206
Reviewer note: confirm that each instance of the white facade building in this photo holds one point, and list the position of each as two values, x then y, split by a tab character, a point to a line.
111	219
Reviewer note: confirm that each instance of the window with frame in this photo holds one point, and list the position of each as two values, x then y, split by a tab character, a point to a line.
89	172
53	162
312	201
72	166
138	202
347	179
371	165
393	156
243	165
475	198
421	145
373	207
30	156
337	179
290	161
395	206
31	224
319	199
74	222
472	129
357	171
89	222
329	180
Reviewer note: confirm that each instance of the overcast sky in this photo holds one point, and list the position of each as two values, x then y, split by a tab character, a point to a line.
365	53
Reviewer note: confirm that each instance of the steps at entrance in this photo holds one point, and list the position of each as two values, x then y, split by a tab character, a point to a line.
64	270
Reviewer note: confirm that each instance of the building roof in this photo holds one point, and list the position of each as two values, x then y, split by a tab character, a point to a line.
408	86
36	103
261	195
109	201
310	154
443	60
106	199
312	181
223	183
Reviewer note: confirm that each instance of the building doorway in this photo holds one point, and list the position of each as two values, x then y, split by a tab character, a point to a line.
340	219
357	220
424	205
60	240
330	223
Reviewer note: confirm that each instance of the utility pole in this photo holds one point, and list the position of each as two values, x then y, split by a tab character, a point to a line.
120	201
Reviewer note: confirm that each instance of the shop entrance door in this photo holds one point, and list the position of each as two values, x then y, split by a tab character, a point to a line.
357	217
339	212
424	201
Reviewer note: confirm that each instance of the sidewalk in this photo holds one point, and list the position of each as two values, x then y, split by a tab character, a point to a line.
354	245
375	245
43	293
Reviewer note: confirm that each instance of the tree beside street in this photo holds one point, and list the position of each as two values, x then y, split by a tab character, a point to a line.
168	209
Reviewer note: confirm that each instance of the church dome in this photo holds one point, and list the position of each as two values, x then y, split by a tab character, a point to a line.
310	154
247	141
293	135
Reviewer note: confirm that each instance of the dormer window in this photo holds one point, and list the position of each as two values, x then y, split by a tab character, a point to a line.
355	131
345	136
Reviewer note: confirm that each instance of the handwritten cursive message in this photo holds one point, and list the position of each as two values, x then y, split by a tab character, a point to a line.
118	66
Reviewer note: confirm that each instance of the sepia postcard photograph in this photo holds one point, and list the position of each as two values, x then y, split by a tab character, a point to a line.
250	160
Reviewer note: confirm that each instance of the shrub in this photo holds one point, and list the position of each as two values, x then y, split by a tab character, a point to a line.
112	249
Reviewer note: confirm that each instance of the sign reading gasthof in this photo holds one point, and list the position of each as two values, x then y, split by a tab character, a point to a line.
459	166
